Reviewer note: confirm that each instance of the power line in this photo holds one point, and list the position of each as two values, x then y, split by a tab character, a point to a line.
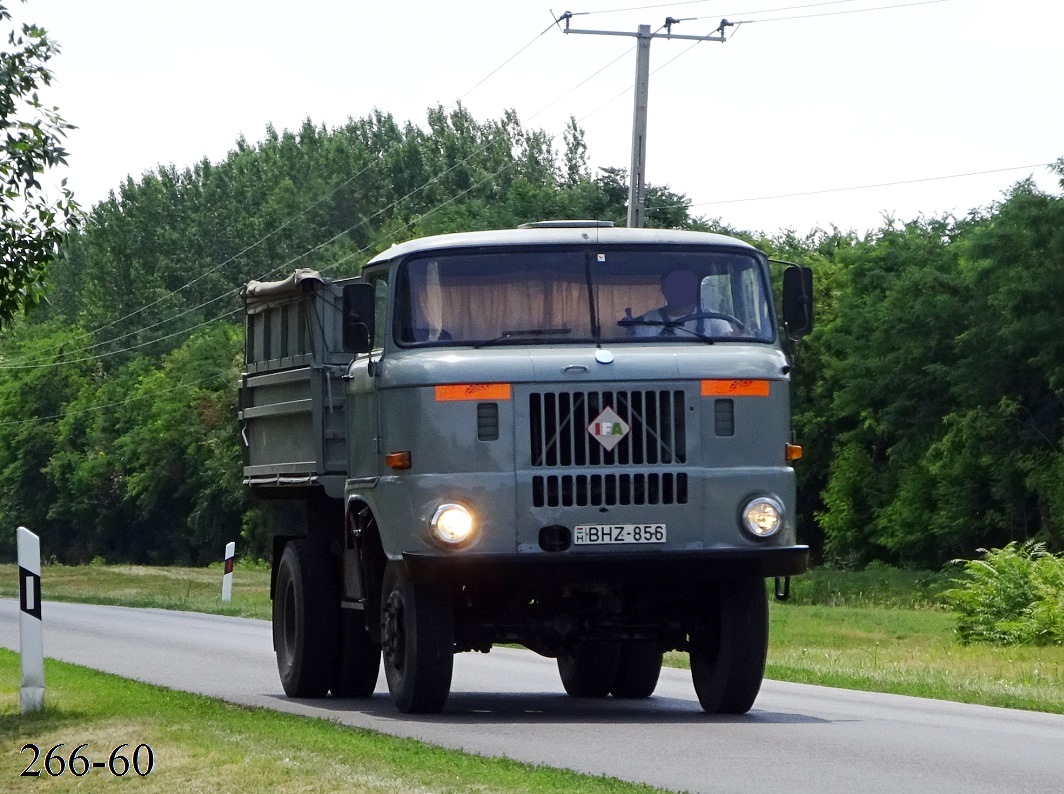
93	408
642	8
838	13
733	14
582	82
32	363
332	191
472	187
852	187
726	14
630	88
63	355
502	65
286	223
395	203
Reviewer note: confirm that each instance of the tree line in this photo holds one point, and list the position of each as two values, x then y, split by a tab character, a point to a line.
928	397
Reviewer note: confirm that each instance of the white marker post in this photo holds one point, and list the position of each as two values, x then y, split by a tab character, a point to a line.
31	633
227	577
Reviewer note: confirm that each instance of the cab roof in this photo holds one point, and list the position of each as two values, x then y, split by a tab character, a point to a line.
574	233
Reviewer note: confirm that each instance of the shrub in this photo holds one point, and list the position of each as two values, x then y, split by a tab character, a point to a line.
1013	596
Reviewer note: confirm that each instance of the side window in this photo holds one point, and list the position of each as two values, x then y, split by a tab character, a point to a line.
716	294
755	304
380	309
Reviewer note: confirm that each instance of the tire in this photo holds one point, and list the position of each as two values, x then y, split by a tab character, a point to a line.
417	640
589	669
359	659
637	670
728	653
305	616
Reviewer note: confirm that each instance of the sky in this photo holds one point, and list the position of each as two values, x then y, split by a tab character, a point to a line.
786	106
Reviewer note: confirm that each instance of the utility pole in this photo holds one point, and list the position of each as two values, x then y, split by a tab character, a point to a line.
637	196
637	175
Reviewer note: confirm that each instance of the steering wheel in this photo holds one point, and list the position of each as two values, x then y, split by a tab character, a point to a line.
707	315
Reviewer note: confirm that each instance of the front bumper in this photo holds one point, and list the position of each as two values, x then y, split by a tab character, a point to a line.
563	567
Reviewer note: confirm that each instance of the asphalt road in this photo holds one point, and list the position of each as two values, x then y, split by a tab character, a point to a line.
510	703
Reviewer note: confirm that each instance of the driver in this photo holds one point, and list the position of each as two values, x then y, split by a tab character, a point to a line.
681	290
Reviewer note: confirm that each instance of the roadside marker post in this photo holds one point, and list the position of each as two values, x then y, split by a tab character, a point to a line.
31	632
227	577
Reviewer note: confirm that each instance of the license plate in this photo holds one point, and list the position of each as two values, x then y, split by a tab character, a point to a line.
604	534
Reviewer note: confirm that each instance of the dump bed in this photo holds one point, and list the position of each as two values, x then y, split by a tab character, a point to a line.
291	395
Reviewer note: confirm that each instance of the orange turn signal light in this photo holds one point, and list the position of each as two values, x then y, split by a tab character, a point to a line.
735	388
473	391
398	460
794	451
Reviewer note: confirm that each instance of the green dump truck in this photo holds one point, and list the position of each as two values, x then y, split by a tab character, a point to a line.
567	436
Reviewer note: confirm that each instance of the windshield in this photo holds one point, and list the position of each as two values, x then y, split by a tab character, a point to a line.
522	297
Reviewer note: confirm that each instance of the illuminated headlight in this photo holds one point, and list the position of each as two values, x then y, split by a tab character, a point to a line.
763	517
453	524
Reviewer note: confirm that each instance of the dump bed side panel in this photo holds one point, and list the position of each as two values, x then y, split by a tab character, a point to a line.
292	395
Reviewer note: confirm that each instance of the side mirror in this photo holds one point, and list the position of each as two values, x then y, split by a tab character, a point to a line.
358	318
797	301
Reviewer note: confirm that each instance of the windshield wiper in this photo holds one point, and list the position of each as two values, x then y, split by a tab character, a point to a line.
507	335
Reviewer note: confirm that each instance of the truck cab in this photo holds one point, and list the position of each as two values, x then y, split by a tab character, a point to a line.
567	436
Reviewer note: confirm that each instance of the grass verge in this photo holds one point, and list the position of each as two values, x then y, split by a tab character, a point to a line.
200	744
164	587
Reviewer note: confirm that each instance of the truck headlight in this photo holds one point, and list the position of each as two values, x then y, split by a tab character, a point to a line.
453	524
763	517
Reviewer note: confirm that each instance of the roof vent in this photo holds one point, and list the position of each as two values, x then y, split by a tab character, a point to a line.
566	225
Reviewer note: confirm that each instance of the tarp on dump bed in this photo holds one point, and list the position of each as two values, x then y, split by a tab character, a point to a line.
261	295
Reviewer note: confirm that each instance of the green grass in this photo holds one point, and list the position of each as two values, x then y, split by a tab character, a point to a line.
880	629
164	587
909	652
875	586
200	744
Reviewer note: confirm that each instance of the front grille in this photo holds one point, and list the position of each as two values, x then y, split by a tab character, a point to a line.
583	490
558	423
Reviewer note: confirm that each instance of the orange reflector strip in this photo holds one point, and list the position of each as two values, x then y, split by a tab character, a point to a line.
473	391
735	388
398	460
793	452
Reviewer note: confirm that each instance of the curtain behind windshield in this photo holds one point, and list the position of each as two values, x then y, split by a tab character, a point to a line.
478	297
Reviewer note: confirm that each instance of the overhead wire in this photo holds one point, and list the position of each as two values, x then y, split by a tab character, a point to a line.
28	364
811	16
847	11
727	14
849	188
92	408
473	187
320	199
582	83
503	64
417	190
629	89
642	8
64	355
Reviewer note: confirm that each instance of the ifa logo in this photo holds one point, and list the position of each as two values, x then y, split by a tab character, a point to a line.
608	429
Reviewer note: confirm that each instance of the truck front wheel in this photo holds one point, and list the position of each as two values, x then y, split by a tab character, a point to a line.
305	612
417	640
728	651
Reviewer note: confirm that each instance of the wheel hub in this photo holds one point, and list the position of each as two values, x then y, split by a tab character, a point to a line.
393	632
288	624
